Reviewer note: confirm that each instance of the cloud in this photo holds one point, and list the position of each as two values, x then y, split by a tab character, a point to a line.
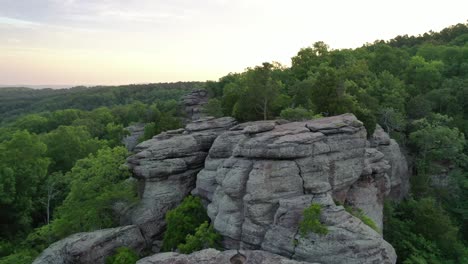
18	22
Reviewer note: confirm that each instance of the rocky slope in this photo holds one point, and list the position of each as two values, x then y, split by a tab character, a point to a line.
256	179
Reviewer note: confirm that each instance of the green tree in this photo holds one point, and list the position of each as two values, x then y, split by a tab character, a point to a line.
183	221
22	166
297	114
97	183
213	108
205	237
67	144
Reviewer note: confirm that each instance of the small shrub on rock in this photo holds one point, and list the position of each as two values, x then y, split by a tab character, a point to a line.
311	221
123	255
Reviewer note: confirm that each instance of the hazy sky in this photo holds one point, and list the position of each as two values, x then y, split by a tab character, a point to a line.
139	41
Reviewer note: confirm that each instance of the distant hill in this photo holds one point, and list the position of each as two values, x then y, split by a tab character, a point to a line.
16	101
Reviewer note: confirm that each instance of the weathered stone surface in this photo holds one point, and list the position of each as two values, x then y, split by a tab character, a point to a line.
193	104
258	179
136	131
166	167
212	256
373	186
398	171
92	247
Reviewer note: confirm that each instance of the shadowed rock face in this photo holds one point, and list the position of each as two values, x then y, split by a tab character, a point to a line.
166	168
212	256
136	131
398	170
259	177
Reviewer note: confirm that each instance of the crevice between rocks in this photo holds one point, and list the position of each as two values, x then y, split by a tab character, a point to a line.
302	177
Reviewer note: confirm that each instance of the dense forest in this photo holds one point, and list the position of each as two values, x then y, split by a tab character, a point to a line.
61	154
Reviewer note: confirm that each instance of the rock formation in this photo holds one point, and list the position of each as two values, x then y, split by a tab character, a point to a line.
256	179
193	104
136	131
92	247
398	171
260	176
166	168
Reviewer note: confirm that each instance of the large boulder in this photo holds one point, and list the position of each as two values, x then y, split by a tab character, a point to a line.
92	247
166	167
212	256
260	176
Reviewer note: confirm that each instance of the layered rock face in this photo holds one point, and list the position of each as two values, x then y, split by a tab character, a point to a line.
398	171
259	177
92	247
212	256
193	104
256	179
166	168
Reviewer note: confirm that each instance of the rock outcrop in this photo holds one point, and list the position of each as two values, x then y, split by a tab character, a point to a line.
398	171
212	256
92	247
193	104
256	179
259	177
166	168
136	131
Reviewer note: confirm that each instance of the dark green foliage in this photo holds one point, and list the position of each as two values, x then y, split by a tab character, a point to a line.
311	221
213	108
67	144
20	257
22	167
183	221
205	237
296	114
123	255
421	229
19	101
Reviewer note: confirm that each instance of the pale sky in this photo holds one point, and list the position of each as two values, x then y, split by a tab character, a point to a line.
90	42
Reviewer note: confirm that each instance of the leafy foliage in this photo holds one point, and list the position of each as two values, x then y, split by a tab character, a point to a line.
205	237
182	221
98	182
297	114
311	221
123	255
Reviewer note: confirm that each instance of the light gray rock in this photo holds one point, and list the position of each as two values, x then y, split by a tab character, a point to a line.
259	177
166	167
212	256
92	247
193	103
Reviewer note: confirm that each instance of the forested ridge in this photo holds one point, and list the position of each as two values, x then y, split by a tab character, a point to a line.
61	154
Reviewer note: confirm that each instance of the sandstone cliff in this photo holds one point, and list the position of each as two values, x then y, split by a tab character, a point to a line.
256	179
